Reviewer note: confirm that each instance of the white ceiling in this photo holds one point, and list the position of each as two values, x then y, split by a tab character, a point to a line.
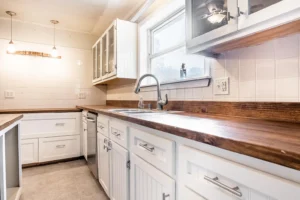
91	16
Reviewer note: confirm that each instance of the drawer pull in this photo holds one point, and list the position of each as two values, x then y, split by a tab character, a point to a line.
145	146
59	124
116	134
215	181
90	120
102	127
60	146
165	196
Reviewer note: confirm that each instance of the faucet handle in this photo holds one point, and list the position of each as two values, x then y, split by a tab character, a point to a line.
167	100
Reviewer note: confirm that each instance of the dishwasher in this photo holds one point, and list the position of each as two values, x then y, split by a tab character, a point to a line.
92	154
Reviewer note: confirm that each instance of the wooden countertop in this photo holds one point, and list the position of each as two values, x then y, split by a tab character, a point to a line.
39	110
273	141
8	119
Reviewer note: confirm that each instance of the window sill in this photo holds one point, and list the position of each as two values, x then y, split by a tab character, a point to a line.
177	84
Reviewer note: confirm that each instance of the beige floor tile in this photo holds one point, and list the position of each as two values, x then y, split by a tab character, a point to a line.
62	181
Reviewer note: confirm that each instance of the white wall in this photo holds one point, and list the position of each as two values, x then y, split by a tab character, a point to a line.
266	72
44	82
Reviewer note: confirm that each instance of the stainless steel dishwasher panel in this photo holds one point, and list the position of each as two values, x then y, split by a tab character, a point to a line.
92	155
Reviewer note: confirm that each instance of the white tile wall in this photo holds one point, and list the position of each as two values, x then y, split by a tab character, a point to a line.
266	72
47	83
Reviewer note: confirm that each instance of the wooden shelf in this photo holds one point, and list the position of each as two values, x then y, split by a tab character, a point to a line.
257	38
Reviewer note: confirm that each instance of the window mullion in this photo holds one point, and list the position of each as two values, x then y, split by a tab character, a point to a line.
166	51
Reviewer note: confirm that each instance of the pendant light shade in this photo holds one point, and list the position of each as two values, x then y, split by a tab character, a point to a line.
11	47
54	52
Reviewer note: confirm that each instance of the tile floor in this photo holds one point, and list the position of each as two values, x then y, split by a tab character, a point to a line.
63	181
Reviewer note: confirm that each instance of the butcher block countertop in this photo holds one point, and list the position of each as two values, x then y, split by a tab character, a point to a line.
273	141
39	110
8	119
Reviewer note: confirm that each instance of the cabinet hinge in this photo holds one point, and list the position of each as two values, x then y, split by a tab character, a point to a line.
128	164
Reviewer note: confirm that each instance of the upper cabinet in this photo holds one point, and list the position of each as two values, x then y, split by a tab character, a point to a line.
215	26
115	54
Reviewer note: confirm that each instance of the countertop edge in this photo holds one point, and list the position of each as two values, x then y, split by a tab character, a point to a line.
39	110
272	155
14	118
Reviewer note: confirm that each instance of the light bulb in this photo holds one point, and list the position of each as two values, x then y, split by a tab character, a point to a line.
11	47
216	18
54	52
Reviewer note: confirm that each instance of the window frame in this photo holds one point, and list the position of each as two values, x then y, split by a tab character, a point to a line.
151	56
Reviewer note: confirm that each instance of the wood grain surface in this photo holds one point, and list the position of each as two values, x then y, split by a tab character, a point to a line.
39	110
8	119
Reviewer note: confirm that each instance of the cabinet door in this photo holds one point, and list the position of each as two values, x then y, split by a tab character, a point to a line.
256	11
84	139
112	51
120	173
148	183
104	163
98	59
29	151
94	62
104	52
209	20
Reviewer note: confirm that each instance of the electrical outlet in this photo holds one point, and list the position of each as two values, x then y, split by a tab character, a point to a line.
82	95
221	86
9	94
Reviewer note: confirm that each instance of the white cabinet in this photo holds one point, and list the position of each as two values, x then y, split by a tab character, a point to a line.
208	20
56	148
118	131
84	140
104	147
119	173
253	12
148	183
30	151
115	53
205	176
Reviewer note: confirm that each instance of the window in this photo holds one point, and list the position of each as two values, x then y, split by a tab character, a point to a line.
167	52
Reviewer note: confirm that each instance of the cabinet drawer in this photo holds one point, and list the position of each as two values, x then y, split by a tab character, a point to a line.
119	132
30	151
155	150
102	125
56	148
211	177
49	127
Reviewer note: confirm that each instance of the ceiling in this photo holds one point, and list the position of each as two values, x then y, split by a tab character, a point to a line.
90	16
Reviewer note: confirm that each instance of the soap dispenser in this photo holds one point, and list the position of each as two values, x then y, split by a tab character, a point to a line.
183	71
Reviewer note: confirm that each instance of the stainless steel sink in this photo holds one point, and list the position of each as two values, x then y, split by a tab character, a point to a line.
139	111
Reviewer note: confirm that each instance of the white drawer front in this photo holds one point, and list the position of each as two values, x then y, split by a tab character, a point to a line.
102	125
56	148
119	132
157	151
206	176
30	151
32	128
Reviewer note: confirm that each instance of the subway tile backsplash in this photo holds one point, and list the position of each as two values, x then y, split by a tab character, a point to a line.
266	72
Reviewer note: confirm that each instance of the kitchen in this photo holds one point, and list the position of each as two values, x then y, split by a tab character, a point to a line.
150	100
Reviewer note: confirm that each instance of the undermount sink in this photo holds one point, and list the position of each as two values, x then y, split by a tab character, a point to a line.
137	111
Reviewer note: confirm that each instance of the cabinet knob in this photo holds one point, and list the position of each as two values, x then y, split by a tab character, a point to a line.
165	196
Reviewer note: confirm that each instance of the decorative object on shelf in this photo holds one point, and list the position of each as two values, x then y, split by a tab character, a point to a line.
11	47
33	53
183	71
54	52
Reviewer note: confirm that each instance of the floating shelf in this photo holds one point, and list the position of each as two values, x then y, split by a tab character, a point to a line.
34	53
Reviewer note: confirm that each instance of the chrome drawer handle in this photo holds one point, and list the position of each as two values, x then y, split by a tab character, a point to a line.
116	134
102	127
165	196
90	119
59	124
215	181
145	146
60	146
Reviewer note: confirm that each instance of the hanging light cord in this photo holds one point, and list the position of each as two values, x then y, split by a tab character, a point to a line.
54	34
11	28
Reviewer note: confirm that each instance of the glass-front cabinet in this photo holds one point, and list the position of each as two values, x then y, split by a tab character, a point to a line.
253	12
120	37
210	19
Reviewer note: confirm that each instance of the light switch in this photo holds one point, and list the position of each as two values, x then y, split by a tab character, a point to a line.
82	95
9	94
221	86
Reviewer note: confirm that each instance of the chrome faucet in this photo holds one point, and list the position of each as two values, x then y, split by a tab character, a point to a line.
160	102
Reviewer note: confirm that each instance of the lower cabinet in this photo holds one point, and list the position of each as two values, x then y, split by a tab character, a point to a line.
30	151
104	147
56	148
203	176
148	183
119	173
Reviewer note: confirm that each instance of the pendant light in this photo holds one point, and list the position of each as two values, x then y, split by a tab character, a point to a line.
11	47
54	52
